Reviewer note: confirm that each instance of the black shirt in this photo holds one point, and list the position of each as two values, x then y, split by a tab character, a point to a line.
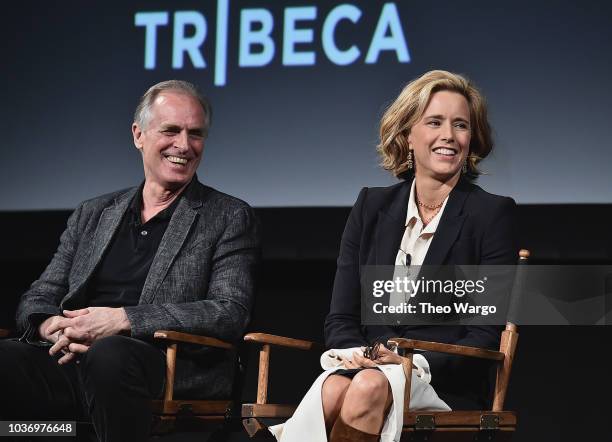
121	274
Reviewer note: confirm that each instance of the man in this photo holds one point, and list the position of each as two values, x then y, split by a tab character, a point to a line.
171	254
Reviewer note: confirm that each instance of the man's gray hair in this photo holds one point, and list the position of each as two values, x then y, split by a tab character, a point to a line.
142	115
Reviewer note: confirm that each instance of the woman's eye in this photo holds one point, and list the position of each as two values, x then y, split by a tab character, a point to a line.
434	123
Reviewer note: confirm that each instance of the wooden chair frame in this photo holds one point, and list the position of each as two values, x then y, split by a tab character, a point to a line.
185	414
253	413
495	424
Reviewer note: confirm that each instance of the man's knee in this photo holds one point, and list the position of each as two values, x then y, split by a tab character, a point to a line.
106	351
105	362
114	362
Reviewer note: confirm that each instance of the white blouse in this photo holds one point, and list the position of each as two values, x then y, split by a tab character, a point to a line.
415	242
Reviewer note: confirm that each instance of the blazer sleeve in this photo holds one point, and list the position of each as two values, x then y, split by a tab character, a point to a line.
224	312
343	323
499	247
45	294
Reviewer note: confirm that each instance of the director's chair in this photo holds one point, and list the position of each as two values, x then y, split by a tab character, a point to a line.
486	425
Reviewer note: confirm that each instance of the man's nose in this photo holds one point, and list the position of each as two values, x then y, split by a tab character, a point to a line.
182	140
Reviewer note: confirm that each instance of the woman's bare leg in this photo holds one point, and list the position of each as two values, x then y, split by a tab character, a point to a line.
332	396
367	401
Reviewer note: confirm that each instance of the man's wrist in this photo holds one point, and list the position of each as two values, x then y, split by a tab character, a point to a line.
124	323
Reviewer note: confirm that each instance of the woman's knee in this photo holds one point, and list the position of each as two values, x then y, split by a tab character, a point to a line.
370	387
332	395
334	389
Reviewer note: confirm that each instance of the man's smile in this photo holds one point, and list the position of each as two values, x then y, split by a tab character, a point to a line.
176	160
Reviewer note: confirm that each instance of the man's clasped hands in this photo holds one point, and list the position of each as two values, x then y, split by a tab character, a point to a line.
75	331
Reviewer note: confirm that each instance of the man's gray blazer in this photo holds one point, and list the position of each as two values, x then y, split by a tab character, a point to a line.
201	280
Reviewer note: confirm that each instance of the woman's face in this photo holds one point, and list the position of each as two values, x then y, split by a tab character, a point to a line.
441	138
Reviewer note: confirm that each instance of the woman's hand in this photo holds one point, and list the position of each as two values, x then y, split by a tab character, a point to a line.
358	361
386	356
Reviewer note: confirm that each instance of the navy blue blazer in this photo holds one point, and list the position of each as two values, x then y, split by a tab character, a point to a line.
476	228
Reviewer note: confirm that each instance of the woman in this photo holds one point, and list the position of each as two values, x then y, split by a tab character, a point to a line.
432	136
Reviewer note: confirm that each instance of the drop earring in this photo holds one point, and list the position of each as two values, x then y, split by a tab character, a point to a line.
464	168
409	161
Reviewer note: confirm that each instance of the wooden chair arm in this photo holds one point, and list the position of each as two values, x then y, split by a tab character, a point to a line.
177	337
267	341
475	352
173	338
281	341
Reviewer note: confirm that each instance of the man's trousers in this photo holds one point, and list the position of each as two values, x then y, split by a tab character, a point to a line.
112	386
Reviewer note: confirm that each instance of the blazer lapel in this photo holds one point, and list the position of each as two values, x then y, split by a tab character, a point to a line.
450	225
107	226
390	227
171	243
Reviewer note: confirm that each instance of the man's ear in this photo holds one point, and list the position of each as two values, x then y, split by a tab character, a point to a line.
137	134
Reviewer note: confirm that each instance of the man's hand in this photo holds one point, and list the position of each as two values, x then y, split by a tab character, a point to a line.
86	325
60	342
48	329
67	347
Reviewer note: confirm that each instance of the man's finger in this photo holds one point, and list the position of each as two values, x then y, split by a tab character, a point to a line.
66	358
75	313
75	347
74	335
58	325
62	342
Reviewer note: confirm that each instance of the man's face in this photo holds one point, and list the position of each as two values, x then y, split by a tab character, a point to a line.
172	140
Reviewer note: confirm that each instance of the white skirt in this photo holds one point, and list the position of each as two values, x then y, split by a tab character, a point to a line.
307	423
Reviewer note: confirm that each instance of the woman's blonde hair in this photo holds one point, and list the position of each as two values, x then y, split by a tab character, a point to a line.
409	107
